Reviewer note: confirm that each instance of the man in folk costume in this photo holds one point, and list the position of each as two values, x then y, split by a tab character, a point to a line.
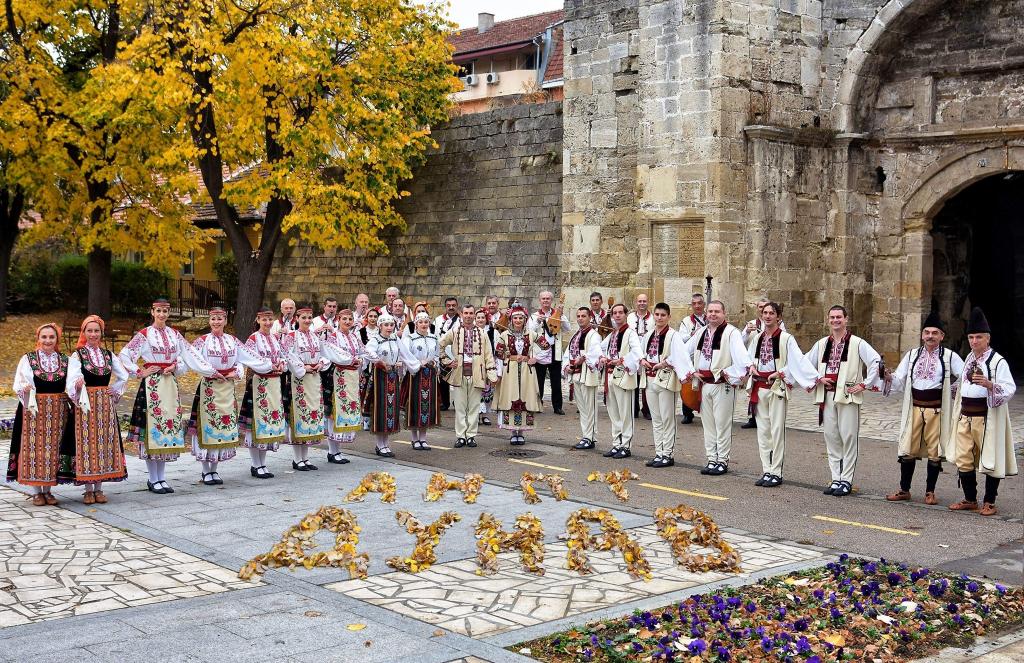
345	350
492	309
982	437
549	360
362	307
597	311
620	360
483	322
471	359
390	295
720	362
665	363
754	327
443	324
690	325
778	364
928	376
641	321
518	398
582	371
847	365
287	321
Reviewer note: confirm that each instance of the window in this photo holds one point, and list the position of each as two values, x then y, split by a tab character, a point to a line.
467	68
189	268
529	61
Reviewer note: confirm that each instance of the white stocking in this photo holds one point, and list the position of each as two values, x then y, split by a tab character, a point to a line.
152	470
161	470
297	450
382	440
213	466
254	458
206	467
263	457
333	447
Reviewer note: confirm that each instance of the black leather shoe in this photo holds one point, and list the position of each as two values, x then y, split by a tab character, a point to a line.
385	454
707	468
559	411
337	459
664	461
652	461
208	479
167	489
486	421
760	482
471	442
255	471
584	445
611	452
459	443
718	470
751	423
155	488
518	440
686	420
622	453
831	488
217	481
772	481
843	489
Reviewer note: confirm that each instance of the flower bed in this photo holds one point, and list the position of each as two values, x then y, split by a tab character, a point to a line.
853	609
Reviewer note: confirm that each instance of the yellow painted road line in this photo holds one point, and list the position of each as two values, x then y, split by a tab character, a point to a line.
546	467
856	524
433	448
683	492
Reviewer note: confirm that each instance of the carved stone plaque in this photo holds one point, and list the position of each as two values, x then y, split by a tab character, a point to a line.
678	249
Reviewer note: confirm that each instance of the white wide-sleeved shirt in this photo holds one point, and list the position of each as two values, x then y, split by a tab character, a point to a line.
163	346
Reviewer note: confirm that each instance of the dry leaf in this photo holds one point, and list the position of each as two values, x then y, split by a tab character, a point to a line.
554	481
374	482
427	537
616	481
312	613
356	627
704	532
439	485
438	632
835	639
527	537
580	540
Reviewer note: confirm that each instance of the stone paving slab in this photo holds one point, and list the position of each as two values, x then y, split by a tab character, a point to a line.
55	563
454	597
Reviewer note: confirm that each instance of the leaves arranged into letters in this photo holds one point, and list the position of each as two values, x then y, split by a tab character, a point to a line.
705	532
613	536
296	543
527	537
440	484
554	482
374	482
616	481
427	537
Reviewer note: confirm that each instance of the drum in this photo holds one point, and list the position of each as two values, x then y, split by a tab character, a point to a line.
691	395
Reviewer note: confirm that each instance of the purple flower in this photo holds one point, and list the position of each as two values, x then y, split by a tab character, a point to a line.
952	608
819	594
870	567
958	620
751	607
938	588
593	640
637	647
766	643
723	653
835	613
781	614
588	654
894	578
1001	589
972	587
814	659
666	617
844	558
697	647
734	601
801	624
803	646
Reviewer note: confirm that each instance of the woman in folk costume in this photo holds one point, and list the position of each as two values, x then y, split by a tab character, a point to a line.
42	444
346	353
96	380
157	430
982	435
420	307
390	359
422	411
306	417
483	323
213	424
518	393
368	332
263	420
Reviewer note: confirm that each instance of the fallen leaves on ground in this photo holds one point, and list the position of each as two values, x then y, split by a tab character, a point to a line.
616	481
554	481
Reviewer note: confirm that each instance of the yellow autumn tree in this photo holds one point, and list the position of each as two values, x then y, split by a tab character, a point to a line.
97	132
312	112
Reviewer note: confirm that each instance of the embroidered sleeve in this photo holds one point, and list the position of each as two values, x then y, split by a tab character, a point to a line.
130	353
1003	386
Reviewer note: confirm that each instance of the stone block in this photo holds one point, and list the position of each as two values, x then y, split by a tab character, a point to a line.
658	184
604	132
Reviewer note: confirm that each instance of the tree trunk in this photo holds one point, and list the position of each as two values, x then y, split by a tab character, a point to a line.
100	261
252	282
12	203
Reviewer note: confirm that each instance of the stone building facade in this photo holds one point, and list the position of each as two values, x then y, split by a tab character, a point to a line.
483	216
868	153
811	144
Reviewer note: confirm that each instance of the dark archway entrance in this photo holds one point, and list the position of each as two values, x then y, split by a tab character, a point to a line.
978	242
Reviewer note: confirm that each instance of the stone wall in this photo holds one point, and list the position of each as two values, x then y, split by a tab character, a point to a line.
484	216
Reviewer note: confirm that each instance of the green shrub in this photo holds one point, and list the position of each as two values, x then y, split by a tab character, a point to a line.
134	286
226	269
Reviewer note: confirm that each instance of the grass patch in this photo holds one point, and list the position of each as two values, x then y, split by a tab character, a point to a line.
853	609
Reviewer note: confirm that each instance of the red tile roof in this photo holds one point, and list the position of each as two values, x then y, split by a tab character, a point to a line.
503	33
554	70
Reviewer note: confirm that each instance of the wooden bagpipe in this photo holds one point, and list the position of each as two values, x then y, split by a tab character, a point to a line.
604	325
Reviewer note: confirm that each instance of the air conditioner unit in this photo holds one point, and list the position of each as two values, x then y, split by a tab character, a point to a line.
471	80
492	78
